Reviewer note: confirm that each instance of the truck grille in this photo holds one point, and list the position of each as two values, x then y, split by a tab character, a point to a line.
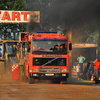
49	61
49	69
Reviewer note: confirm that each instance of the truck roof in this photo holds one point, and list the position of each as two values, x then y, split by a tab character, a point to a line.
23	36
48	36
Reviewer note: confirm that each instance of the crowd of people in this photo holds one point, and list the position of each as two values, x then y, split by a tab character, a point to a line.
86	70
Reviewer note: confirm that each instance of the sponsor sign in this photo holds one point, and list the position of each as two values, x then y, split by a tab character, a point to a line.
19	16
84	45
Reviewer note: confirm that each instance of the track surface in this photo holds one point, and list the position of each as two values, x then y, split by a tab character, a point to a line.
44	90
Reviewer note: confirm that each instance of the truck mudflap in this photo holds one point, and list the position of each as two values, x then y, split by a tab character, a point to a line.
48	75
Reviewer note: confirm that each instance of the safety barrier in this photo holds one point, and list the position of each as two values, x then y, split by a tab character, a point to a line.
15	72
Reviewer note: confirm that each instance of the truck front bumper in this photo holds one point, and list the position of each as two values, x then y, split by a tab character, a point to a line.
48	75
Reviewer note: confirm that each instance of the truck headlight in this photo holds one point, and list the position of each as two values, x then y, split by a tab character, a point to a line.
34	70
63	70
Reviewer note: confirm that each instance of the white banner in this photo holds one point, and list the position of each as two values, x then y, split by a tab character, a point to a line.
19	16
83	45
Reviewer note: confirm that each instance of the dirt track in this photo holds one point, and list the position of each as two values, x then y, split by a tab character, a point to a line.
44	90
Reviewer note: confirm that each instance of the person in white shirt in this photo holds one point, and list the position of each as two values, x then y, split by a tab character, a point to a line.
78	71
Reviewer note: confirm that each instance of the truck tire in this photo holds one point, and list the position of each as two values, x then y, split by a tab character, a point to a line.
31	80
56	81
63	81
96	81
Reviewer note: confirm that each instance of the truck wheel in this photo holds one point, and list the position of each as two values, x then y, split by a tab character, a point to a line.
64	81
96	81
31	80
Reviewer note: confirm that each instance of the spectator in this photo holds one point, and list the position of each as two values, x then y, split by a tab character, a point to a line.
90	71
10	51
84	66
14	49
78	71
84	70
81	59
26	51
96	67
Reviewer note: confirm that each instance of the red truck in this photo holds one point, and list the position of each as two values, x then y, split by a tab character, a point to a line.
48	56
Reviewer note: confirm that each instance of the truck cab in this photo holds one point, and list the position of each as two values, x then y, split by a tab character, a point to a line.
48	57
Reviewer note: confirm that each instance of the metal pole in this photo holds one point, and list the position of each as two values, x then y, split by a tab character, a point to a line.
2	50
99	47
21	51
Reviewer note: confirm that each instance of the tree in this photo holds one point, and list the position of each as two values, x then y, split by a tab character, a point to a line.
93	38
10	31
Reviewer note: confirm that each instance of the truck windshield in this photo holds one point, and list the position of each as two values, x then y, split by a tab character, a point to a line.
11	47
49	47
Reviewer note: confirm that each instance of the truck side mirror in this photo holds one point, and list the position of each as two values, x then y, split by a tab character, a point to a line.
70	46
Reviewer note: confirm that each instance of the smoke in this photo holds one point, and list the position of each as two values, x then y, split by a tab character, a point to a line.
73	13
67	13
31	26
